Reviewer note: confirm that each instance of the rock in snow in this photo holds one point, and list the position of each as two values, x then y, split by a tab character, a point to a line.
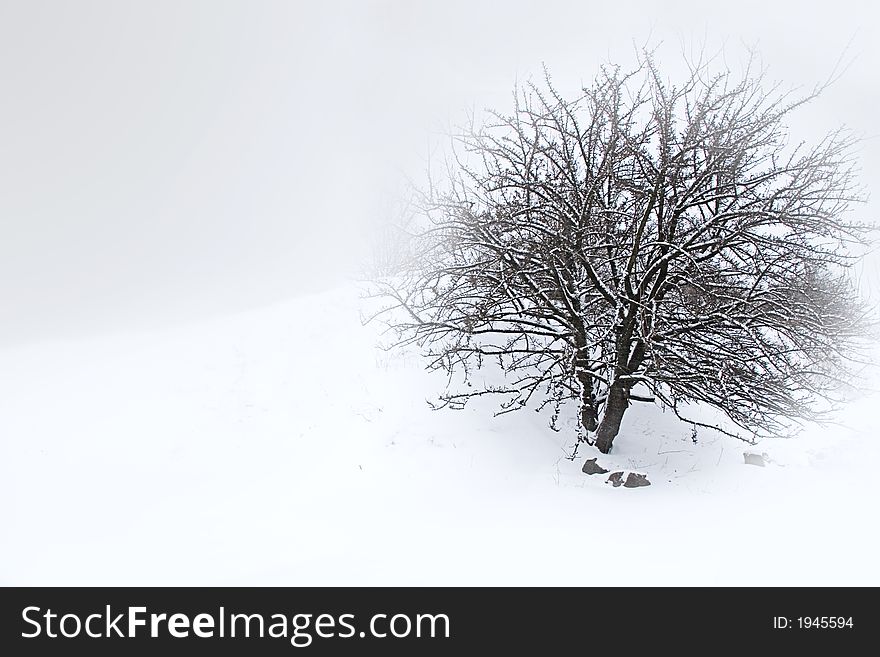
633	479
591	467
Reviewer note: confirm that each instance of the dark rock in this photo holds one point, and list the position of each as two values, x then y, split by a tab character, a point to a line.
635	480
615	478
591	467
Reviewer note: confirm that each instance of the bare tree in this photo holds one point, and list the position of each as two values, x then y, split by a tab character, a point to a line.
642	242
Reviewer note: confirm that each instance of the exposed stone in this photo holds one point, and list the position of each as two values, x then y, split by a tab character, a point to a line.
635	480
591	467
615	478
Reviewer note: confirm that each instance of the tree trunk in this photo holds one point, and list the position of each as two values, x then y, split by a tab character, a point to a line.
589	417
615	407
630	357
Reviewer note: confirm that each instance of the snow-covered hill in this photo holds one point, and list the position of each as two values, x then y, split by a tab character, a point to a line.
280	446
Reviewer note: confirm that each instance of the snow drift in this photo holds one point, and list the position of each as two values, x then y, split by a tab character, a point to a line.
280	446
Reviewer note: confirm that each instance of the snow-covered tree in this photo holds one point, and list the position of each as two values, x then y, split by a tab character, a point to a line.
643	241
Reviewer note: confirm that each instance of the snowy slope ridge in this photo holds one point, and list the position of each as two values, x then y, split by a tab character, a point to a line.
280	446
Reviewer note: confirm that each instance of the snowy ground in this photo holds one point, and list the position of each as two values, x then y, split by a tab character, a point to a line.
280	447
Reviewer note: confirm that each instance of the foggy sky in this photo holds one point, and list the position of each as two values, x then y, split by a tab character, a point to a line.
161	161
